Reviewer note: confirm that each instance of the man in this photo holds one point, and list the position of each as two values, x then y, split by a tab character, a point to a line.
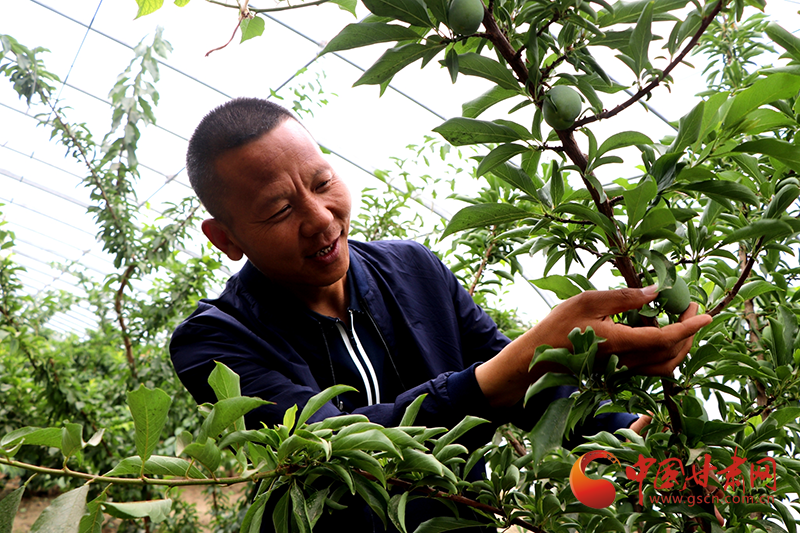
311	309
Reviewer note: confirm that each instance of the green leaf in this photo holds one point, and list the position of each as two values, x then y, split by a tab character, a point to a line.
71	439
299	508
149	408
722	190
376	496
625	12
498	156
655	219
8	509
159	465
451	62
547	381
148	6
769	228
412	410
548	433
181	3
393	61
412	11
208	453
474	108
156	510
417	461
372	439
92	521
586	213
367	33
516	177
787	40
461	131
253	27
561	285
50	437
755	288
763	91
482	215
462	427
637	200
316	402
716	430
224	382
397	511
689	128
64	513
346	5
446	523
622	140
786	153
227	412
473	64
785	415
251	523
639	45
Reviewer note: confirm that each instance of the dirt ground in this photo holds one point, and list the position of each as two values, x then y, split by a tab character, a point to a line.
32	506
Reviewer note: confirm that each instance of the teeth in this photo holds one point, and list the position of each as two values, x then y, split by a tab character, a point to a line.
324	251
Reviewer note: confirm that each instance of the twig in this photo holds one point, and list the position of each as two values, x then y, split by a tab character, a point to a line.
271	9
456	498
739	282
485	260
244	13
121	318
707	20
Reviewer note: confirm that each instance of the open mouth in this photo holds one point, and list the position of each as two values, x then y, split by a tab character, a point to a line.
325	250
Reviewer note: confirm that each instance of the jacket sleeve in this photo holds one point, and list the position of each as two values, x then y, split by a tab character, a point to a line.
482	340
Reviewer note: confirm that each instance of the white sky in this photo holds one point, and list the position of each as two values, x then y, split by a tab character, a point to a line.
44	208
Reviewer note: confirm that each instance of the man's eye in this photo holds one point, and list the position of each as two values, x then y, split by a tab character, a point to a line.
283	210
323	184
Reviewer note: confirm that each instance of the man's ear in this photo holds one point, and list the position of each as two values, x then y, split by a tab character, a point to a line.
219	236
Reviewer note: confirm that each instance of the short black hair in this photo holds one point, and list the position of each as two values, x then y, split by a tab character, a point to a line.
231	125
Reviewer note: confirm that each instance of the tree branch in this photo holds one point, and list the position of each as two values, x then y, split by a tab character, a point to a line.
456	498
704	23
739	282
271	9
121	319
485	260
496	36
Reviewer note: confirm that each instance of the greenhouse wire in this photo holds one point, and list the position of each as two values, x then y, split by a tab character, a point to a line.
74	59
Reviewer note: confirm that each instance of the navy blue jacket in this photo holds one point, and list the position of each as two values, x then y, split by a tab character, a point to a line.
434	333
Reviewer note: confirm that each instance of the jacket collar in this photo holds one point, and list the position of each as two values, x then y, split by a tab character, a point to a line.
271	301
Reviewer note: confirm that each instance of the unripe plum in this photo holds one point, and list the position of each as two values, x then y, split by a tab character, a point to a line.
561	106
465	16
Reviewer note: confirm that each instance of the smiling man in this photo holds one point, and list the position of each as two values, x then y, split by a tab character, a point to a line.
311	309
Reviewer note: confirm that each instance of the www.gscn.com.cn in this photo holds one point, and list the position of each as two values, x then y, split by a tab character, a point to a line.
726	498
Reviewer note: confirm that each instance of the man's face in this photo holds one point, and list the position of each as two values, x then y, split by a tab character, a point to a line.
287	209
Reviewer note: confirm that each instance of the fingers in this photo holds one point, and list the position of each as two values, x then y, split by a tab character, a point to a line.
640	423
604	303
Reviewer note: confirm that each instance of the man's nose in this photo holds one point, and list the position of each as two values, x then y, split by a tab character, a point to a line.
317	217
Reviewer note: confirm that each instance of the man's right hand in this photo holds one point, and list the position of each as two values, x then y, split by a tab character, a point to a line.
647	350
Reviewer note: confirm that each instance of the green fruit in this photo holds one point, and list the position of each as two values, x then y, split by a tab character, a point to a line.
676	299
465	16
561	106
